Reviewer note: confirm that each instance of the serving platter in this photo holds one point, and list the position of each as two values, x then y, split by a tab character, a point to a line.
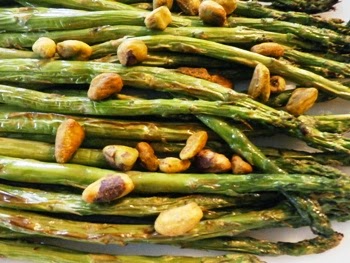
339	254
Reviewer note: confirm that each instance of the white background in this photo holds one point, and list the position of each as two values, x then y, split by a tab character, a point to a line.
338	254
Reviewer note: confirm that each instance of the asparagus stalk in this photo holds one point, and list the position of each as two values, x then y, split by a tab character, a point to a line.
50	19
312	7
246	110
229	35
104	233
239	143
316	245
42	151
256	10
47	123
325	37
31	199
31	252
93	5
305	59
31	171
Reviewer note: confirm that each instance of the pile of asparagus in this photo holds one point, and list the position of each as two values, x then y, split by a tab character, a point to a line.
61	137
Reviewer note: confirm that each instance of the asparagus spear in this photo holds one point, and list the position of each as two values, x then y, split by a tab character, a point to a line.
256	10
312	7
230	35
49	19
325	37
31	171
305	59
247	109
77	4
20	250
239	143
263	247
31	199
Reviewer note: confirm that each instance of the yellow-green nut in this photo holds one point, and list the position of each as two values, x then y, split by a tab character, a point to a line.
131	52
44	47
301	100
229	5
158	3
179	220
212	13
259	87
121	157
159	18
269	49
108	188
74	49
189	7
277	84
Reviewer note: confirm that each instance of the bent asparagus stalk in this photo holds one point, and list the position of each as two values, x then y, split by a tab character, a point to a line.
20	250
31	171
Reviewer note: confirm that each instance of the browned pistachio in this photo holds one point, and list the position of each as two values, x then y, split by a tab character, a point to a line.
301	100
74	49
277	84
189	7
179	220
212	13
121	157
70	134
159	18
44	47
108	188
131	52
194	144
158	3
239	166
212	162
104	85
259	87
147	157
173	165
269	49
229	5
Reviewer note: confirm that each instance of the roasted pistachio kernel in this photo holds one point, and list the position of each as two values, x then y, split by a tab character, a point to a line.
189	7
277	84
201	73
131	52
147	157
212	13
74	49
240	166
194	144
158	3
108	188
301	100
212	162
159	18
259	87
173	165
229	5
104	85
269	49
179	220
69	136
44	47
121	157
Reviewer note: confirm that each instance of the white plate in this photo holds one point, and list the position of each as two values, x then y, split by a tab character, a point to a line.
339	254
